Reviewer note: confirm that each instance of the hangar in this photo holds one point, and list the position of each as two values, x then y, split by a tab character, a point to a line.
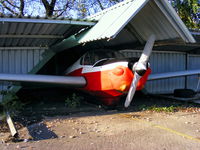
28	44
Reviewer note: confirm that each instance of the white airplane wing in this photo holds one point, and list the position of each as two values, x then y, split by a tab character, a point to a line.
173	74
68	81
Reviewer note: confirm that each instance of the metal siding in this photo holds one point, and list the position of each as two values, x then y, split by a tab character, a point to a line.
18	61
24	61
163	62
30	60
193	63
21	28
44	29
12	61
29	26
36	57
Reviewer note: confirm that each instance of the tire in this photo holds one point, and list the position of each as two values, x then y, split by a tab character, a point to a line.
184	93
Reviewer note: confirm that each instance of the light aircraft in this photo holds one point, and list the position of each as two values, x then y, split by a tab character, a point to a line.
106	74
109	75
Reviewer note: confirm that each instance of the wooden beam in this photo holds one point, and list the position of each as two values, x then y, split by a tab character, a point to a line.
11	125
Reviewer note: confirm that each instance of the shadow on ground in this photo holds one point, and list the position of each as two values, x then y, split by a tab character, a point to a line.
36	110
40	132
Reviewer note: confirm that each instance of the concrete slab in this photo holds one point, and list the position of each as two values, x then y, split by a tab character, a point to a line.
116	130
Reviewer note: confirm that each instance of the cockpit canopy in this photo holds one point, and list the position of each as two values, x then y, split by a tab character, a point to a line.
93	57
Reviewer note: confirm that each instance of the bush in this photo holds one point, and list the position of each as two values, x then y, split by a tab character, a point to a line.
11	102
73	101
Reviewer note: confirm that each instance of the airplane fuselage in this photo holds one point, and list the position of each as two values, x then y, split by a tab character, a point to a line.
108	81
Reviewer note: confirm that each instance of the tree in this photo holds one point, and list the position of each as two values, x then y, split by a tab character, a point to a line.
54	8
13	7
35	7
49	7
189	11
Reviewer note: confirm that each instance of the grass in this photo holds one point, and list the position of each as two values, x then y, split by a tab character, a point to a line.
162	109
157	104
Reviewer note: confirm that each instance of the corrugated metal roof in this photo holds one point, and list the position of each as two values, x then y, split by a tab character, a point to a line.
37	32
141	18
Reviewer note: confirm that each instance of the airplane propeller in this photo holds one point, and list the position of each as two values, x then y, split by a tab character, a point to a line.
139	68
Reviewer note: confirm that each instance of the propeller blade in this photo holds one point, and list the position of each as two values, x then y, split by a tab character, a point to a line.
132	89
139	69
147	50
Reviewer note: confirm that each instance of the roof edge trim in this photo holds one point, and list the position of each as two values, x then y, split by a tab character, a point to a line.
108	9
50	21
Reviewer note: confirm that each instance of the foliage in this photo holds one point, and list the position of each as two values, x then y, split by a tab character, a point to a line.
54	8
189	12
162	109
11	102
14	7
73	101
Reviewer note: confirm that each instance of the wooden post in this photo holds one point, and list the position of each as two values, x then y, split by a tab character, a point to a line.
11	125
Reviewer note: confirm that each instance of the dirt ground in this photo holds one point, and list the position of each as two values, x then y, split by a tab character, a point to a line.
93	127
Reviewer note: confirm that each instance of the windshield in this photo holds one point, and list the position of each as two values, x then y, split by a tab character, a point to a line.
91	57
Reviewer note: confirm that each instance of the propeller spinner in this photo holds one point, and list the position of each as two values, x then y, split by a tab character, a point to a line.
139	68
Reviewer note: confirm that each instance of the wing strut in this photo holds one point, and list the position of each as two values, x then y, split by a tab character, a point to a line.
68	81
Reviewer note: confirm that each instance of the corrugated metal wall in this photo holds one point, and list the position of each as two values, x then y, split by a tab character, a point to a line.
193	63
23	60
18	61
163	62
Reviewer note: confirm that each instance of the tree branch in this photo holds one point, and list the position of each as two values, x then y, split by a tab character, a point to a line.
46	4
101	6
11	4
9	9
52	4
62	10
49	7
21	8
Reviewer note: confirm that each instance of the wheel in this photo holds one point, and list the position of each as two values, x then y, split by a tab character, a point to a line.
184	93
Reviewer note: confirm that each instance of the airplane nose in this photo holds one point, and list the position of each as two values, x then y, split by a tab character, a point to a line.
118	71
132	63
123	87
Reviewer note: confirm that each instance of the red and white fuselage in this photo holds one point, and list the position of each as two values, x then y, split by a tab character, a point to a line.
107	81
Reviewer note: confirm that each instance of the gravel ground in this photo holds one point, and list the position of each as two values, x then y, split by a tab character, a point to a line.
92	128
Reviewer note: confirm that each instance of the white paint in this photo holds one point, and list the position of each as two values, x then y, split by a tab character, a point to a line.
87	69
